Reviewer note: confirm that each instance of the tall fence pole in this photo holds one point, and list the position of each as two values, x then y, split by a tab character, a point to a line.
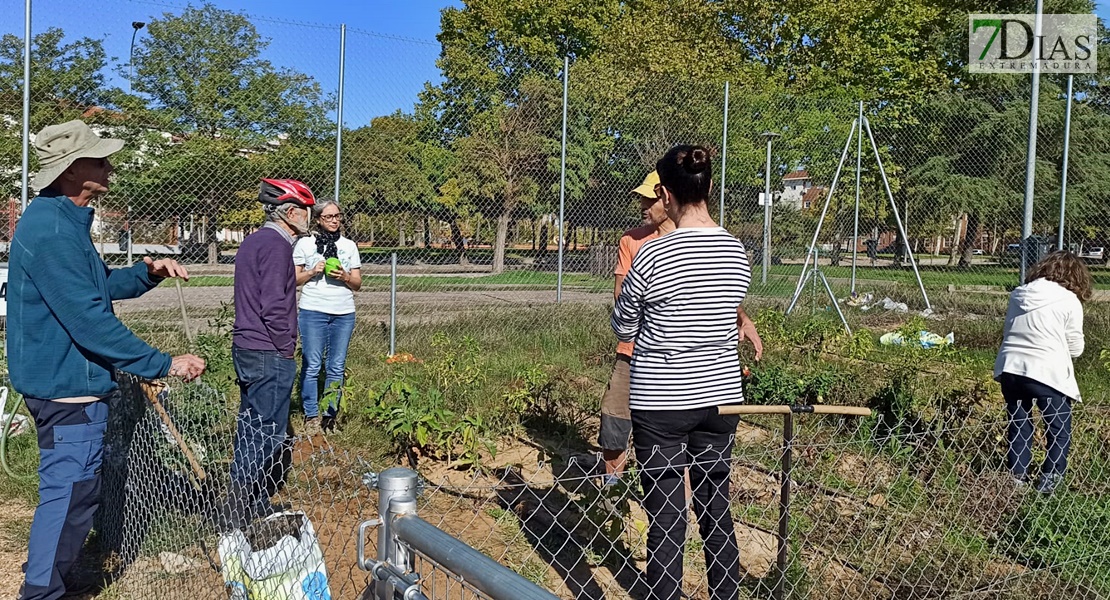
1064	169
767	208
339	109
562	184
393	304
855	226
1031	150
724	159
26	104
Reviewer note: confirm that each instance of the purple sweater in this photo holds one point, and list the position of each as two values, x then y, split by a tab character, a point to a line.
266	293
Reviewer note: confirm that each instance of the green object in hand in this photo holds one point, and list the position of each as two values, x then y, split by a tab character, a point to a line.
331	264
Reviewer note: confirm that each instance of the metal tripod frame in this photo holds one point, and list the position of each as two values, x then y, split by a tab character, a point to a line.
858	125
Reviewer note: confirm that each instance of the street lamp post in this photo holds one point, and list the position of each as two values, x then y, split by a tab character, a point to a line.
136	25
770	136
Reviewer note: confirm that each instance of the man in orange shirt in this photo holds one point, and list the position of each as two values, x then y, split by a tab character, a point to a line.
616	417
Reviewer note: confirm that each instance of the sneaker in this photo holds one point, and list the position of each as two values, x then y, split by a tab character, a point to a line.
312	427
1047	482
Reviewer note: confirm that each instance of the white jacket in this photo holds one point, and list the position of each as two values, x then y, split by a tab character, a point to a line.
1043	332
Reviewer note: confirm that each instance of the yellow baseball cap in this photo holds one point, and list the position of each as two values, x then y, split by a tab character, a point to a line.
647	188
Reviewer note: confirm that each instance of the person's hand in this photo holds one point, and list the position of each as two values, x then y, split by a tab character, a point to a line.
187	366
93	189
747	332
340	274
165	267
319	268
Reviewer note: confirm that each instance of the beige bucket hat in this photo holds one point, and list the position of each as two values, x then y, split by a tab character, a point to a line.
58	146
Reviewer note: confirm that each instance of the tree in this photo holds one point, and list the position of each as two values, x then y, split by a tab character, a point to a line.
208	85
67	82
397	165
505	155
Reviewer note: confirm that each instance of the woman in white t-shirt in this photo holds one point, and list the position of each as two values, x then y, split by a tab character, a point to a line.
327	312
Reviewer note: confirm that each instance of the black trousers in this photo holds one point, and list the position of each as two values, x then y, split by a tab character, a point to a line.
668	443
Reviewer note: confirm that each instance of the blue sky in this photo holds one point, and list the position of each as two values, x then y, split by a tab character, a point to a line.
391	47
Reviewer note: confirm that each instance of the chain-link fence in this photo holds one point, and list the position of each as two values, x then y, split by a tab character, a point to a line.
461	177
877	507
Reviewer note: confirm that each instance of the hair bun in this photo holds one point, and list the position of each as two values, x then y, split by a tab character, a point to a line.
696	160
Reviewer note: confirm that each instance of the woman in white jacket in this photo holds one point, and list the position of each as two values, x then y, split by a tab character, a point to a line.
1043	333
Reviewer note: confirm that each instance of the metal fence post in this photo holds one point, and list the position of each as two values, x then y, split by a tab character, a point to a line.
393	304
26	103
770	136
1064	167
855	227
396	483
724	159
1031	149
562	184
339	109
784	503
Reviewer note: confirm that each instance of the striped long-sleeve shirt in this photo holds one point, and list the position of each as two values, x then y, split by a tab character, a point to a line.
679	304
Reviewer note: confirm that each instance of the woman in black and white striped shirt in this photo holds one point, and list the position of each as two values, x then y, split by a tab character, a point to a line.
680	303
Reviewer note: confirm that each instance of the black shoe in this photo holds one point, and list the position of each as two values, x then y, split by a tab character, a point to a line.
84	587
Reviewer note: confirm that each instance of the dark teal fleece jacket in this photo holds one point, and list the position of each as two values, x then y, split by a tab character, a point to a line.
64	340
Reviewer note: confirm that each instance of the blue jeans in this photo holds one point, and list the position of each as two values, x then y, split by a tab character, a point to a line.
1021	393
265	389
323	334
71	448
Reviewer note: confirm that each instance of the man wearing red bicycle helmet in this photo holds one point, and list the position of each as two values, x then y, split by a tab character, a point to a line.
263	340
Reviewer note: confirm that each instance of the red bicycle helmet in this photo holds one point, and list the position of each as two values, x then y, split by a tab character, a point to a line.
282	191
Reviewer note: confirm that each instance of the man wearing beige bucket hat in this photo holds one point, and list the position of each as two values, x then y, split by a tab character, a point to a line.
65	344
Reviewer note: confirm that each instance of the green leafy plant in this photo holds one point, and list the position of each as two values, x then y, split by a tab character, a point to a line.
416	421
455	363
532	392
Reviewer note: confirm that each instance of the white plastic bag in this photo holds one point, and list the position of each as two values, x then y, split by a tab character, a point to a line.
278	558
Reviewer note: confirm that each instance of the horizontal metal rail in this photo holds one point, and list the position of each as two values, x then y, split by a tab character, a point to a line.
476	569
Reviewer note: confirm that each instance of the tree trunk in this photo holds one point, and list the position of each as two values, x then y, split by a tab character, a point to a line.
971	233
209	226
427	232
533	235
542	243
371	233
460	243
500	241
400	233
959	226
837	250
